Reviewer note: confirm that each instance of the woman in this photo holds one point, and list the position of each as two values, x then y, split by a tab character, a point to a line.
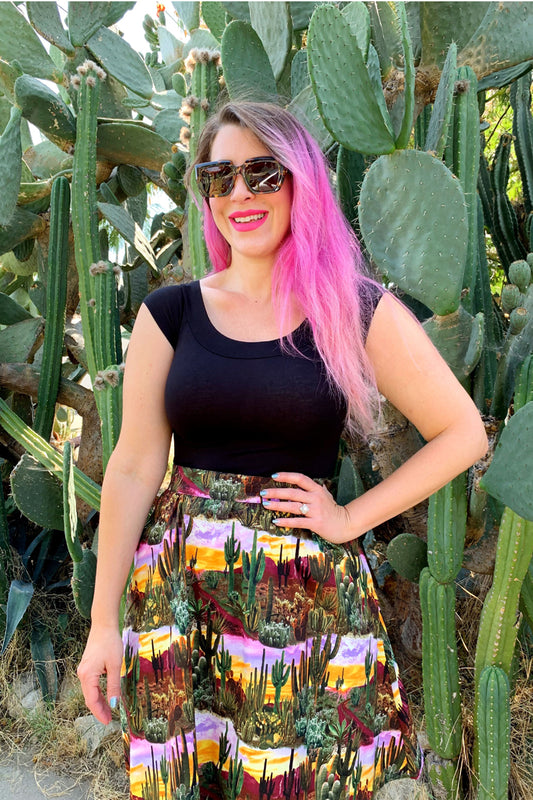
256	662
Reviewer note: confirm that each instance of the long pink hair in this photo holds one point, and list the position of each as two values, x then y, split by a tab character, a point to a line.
319	263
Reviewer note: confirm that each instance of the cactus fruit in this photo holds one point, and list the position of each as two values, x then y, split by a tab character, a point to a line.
520	274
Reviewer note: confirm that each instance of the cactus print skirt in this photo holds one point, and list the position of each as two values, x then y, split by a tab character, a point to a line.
256	661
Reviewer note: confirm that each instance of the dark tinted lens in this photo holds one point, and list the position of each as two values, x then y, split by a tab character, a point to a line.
215	180
264	175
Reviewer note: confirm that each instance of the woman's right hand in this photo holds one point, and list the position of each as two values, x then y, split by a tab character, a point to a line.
102	656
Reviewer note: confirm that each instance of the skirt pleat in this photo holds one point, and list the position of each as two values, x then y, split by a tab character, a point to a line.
256	661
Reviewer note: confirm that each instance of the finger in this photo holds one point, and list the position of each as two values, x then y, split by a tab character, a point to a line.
292	522
287	507
303	481
297	495
95	701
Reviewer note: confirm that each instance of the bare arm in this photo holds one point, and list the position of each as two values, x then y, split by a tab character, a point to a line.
410	373
134	474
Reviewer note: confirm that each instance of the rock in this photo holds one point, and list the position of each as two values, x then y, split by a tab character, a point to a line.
402	789
94	733
25	695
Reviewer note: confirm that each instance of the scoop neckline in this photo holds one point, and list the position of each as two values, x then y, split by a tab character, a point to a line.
245	342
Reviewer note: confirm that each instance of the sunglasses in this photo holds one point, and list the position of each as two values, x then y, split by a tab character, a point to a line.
262	175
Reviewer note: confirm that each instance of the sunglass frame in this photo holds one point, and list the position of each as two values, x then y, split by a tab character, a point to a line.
240	170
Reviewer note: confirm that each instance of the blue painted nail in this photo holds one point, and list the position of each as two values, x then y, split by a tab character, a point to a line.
266	503
275	475
113	702
263	492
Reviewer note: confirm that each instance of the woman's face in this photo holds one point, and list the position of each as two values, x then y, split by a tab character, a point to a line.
258	238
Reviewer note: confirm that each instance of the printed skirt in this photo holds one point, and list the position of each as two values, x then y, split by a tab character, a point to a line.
256	661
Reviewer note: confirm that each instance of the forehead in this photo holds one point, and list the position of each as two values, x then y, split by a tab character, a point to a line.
234	143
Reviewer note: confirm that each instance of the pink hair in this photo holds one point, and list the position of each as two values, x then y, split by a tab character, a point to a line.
319	263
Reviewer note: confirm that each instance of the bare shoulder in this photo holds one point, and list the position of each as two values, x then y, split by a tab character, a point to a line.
411	373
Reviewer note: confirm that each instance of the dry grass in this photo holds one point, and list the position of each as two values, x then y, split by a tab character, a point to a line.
48	734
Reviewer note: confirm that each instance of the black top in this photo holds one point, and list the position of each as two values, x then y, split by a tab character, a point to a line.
245	407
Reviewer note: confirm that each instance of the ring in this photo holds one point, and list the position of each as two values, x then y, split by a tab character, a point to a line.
304	508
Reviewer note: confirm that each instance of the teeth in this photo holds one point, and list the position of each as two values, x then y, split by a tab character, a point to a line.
251	218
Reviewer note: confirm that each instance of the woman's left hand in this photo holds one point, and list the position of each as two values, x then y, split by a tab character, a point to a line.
313	506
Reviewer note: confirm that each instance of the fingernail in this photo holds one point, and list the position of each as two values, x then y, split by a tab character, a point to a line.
266	503
277	521
275	475
113	702
263	492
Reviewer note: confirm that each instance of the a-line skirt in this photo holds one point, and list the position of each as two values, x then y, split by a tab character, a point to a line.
256	660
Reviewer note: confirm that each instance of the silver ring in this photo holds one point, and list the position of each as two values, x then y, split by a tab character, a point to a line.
304	508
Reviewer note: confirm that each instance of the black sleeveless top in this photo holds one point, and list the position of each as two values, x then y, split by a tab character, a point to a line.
245	407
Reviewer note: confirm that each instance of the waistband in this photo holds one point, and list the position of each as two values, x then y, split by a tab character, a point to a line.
228	486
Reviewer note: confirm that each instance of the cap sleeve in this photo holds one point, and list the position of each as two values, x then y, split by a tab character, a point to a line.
166	305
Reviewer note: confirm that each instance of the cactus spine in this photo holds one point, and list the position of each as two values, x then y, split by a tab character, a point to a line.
56	295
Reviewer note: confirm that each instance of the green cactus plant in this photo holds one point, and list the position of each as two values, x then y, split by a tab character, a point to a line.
493	724
56	295
442	697
232	551
253	567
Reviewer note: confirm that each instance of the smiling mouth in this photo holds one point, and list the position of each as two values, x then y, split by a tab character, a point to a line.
249	218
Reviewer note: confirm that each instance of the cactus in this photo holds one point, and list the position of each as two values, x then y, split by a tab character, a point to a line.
10	166
408	555
447	529
462	157
440	668
364	126
55	307
493	725
279	677
235	774
232	552
410	254
97	294
86	489
223	659
253	567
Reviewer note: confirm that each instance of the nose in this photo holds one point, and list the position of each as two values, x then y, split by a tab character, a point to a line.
240	189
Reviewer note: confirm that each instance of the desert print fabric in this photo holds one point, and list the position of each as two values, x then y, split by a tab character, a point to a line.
256	662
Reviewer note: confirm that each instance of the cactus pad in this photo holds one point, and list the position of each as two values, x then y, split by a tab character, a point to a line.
413	221
337	69
510	475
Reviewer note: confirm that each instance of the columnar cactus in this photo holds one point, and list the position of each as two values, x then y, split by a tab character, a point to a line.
98	300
